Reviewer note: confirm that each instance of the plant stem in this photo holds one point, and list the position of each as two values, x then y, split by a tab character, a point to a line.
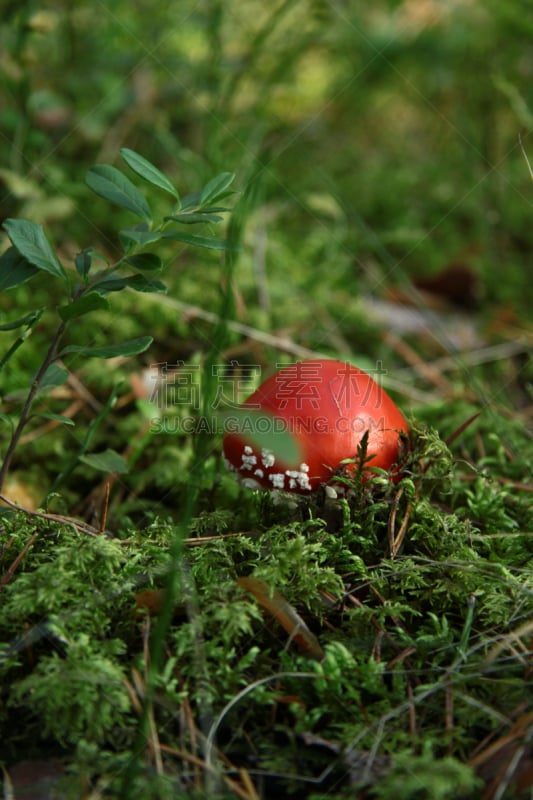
50	357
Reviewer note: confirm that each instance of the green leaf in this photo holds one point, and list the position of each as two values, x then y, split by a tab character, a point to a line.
107	285
113	185
14	269
148	171
142	284
191	200
137	282
216	188
29	239
83	262
53	377
131	348
85	304
211	242
191	219
56	418
150	262
107	461
139	236
28	319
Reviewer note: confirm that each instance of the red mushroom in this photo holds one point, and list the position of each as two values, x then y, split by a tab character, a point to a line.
326	406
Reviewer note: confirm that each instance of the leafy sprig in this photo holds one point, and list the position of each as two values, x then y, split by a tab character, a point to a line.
91	278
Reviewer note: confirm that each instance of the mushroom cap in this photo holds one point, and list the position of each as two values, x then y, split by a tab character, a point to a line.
327	406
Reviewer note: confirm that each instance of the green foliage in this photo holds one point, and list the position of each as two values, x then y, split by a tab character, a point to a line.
32	250
415	629
29	240
86	684
64	564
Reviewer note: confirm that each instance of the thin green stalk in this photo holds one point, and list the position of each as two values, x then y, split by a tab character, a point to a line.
49	358
157	645
467	628
177	576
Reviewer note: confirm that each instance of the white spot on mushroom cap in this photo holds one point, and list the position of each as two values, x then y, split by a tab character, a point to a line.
304	482
259	473
248	450
248	461
277	479
268	459
298	478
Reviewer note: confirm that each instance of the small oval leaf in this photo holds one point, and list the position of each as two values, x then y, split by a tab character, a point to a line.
216	187
83	262
107	285
55	418
14	269
192	219
131	348
137	282
210	242
111	184
53	377
107	461
139	236
191	200
84	305
140	283
145	169
149	262
31	242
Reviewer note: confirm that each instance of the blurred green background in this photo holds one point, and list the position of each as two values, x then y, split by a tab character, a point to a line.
383	137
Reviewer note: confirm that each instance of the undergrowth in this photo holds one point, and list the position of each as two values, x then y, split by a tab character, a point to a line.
422	662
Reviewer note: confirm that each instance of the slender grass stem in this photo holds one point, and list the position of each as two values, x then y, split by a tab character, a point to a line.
49	358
